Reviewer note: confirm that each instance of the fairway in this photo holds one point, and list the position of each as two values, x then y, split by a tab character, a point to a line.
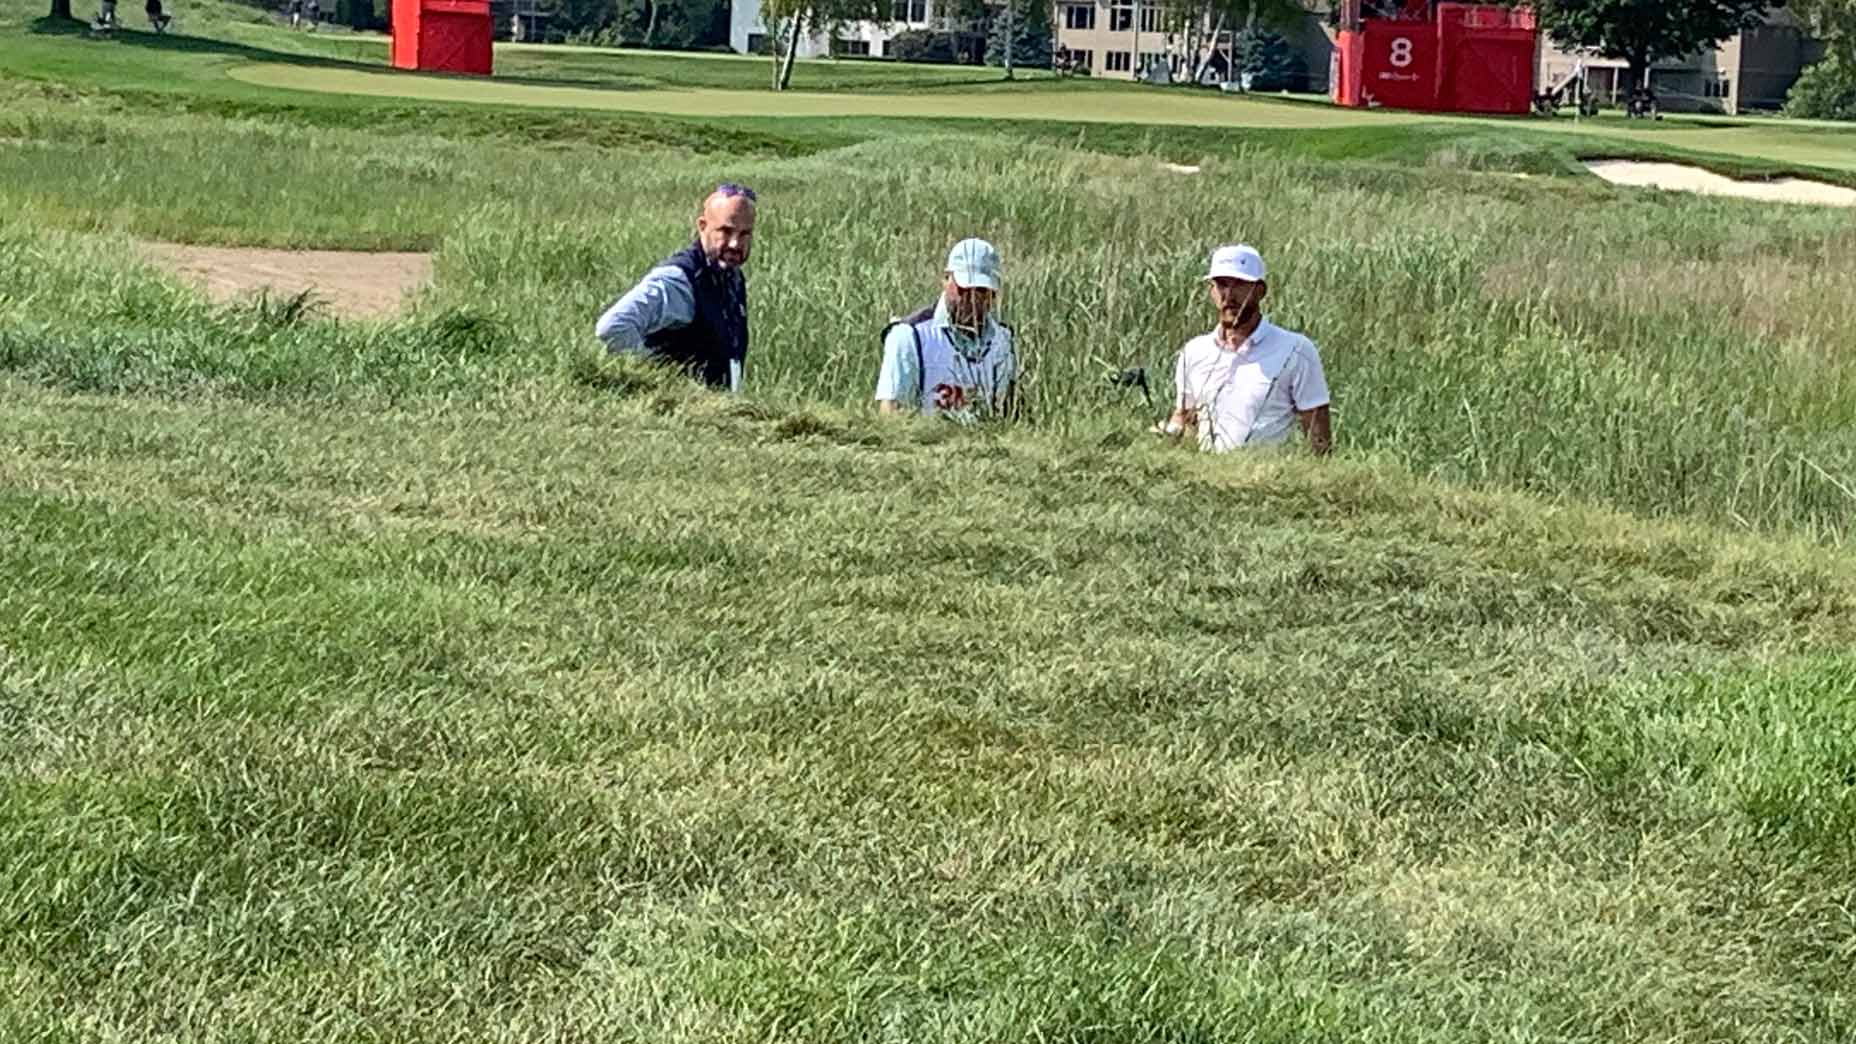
1130	106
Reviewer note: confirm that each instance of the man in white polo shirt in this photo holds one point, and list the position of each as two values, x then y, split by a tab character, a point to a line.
954	359
1249	381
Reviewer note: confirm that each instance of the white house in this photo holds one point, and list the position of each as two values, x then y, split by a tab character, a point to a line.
748	33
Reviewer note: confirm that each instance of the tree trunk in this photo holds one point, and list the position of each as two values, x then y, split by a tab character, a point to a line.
1637	70
1011	41
785	66
61	11
1211	48
650	25
1231	70
1182	69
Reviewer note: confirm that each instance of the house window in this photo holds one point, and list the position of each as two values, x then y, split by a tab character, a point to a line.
1116	61
854	48
757	43
1079	59
1120	19
909	11
1079	16
1720	87
1150	19
1152	60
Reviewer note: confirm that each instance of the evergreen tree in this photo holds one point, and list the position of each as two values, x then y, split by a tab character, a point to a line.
1031	35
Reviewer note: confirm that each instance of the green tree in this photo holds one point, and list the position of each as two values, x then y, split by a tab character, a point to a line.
1826	91
789	20
1201	25
1832	21
963	22
672	23
1029	26
583	19
1266	57
1641	33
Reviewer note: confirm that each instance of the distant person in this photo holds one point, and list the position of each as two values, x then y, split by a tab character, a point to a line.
691	311
953	358
1249	381
157	19
106	15
313	12
296	14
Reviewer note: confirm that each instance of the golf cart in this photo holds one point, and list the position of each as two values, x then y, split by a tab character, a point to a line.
1570	89
1642	104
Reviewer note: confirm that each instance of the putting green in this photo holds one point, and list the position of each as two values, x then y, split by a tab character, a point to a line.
1132	106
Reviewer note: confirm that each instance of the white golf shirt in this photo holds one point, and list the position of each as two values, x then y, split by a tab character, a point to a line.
1249	395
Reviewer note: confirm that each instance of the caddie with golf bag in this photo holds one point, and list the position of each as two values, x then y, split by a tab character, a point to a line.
955	358
1248	381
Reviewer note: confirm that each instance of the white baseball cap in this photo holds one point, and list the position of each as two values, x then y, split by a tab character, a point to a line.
974	262
1239	261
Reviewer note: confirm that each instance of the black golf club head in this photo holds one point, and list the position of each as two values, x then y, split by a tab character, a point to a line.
1133	377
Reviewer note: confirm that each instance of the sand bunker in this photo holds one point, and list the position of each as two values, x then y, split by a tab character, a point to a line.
1694	179
345	282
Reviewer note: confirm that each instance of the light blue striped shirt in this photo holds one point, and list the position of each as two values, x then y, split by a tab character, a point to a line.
662	300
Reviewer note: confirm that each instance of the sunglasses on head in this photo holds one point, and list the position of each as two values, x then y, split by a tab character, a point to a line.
729	188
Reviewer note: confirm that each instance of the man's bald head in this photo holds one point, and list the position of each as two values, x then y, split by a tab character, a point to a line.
725	228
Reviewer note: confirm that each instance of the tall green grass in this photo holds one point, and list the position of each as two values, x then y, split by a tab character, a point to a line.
1674	356
646	716
425	679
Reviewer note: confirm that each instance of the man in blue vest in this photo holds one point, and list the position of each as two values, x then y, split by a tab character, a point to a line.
953	359
691	311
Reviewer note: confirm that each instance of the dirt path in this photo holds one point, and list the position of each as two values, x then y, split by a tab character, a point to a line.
1694	179
346	282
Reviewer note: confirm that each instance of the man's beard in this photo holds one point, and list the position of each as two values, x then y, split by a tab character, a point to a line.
1245	315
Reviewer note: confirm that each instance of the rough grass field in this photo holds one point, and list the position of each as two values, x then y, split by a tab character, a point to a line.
426	678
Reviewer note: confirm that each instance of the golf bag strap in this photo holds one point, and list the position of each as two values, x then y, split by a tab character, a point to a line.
912	321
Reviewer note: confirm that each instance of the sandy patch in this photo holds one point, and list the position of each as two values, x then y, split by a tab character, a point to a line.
348	283
1682	178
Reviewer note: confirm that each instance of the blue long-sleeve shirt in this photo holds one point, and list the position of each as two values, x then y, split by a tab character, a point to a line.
662	300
